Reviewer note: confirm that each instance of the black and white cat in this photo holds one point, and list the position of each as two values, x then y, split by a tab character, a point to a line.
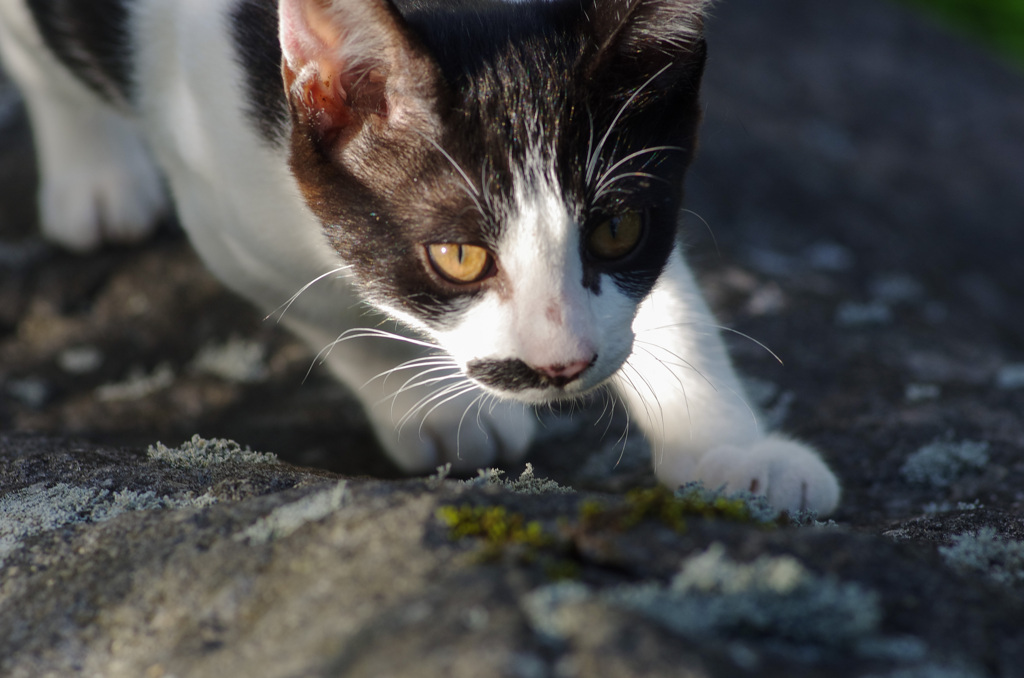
504	178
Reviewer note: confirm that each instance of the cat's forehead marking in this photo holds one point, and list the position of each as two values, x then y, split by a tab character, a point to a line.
540	242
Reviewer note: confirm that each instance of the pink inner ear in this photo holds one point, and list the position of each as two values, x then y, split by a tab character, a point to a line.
320	48
306	33
315	72
327	103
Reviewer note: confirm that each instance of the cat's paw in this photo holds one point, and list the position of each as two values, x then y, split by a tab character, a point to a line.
789	473
113	194
82	210
464	433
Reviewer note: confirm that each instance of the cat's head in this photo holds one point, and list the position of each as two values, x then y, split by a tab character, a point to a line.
504	176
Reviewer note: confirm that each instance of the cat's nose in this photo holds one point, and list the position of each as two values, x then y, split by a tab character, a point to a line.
562	374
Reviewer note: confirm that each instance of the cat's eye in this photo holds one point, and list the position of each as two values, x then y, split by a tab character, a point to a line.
460	264
616	237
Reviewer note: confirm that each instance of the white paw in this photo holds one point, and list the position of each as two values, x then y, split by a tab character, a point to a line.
116	200
466	434
790	474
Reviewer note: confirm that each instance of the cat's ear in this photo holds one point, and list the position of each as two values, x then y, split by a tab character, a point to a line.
640	40
351	62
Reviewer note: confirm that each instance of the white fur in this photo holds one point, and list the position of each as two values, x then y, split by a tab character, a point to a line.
545	316
98	181
242	209
682	390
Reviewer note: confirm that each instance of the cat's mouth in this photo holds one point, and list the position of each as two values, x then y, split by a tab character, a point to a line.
513	376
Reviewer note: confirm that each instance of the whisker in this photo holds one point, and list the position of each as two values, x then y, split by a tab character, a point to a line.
603	187
643	401
415	363
452	393
711	231
654	393
458	429
321	357
679	380
749	338
687	365
367	333
418	381
636	154
683	362
472	191
604	410
624	437
373	332
283	308
592	164
721	328
423	402
608	398
409	385
590	141
657	454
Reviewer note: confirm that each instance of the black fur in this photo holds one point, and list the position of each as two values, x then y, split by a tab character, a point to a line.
254	33
509	375
92	39
508	79
525	69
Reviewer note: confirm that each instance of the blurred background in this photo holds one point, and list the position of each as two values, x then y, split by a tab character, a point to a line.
998	23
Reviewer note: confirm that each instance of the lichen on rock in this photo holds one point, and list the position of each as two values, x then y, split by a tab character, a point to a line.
284	520
987	553
942	461
773	597
38	508
199	452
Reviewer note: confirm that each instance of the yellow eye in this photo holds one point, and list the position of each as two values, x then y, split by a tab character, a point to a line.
460	264
616	237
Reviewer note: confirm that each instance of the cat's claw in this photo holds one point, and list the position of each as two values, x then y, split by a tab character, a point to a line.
789	473
467	435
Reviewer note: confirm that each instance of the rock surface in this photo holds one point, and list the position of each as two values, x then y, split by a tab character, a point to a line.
861	173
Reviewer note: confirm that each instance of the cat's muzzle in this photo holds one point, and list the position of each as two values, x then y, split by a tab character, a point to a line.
514	375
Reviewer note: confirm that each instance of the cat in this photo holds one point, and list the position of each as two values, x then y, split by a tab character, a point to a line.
503	179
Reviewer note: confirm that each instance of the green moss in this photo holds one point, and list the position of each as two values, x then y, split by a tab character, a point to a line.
673	508
562	569
592	510
494	524
656	503
507	533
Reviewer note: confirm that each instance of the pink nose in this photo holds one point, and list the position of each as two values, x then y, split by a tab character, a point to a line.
563	374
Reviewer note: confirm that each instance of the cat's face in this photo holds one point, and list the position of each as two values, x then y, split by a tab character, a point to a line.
514	195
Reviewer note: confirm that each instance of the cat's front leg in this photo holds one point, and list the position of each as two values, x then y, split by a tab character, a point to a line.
98	182
681	389
424	412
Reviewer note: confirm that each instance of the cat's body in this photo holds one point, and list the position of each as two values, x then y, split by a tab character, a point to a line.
502	178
